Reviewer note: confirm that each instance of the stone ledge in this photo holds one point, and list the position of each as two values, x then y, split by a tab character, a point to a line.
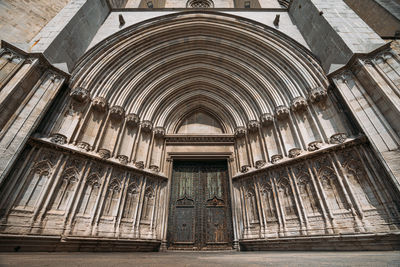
355	242
28	243
71	150
306	155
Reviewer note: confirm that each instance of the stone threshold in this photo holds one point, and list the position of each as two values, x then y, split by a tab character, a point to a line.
345	242
327	148
30	243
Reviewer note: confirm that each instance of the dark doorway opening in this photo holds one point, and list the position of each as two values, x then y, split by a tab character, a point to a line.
200	209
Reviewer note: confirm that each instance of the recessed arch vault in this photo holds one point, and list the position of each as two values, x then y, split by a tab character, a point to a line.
244	68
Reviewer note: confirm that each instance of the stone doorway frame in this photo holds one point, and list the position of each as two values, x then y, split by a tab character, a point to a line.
228	156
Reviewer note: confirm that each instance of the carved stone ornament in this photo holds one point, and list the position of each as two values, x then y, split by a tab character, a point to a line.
299	104
132	120
338	138
318	94
159	132
266	119
276	158
122	159
104	153
54	77
240	132
147	126
139	164
58	139
253	125
294	152
100	104
282	112
384	56
313	146
245	168
154	168
83	146
260	164
117	113
80	94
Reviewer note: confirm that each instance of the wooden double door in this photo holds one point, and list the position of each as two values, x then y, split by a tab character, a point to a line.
199	213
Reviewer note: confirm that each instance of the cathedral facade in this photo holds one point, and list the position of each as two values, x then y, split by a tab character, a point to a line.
139	125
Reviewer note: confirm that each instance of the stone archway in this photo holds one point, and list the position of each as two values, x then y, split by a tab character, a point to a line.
289	144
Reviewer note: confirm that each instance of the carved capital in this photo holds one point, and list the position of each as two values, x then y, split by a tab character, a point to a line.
104	153
318	94
267	119
154	168
132	120
147	126
58	138
54	77
240	131
276	158
117	113
338	138
299	104
139	164
260	164
159	132
253	125
245	168
100	104
294	152
80	94
84	146
281	112
122	159
344	76
313	146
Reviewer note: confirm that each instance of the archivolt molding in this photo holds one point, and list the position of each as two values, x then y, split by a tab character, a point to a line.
150	63
266	91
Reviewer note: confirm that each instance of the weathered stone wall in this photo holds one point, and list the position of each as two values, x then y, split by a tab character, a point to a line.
384	21
67	36
111	24
337	192
21	20
59	193
333	31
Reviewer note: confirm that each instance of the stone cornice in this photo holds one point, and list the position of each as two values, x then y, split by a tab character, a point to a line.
289	161
196	139
356	56
68	149
42	59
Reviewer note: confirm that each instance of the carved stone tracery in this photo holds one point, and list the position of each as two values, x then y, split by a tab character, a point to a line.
267	119
58	139
240	132
253	125
117	113
100	104
282	112
80	94
338	138
299	104
132	120
147	126
318	94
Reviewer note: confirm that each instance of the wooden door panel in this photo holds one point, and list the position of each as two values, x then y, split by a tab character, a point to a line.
184	225
216	226
200	216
